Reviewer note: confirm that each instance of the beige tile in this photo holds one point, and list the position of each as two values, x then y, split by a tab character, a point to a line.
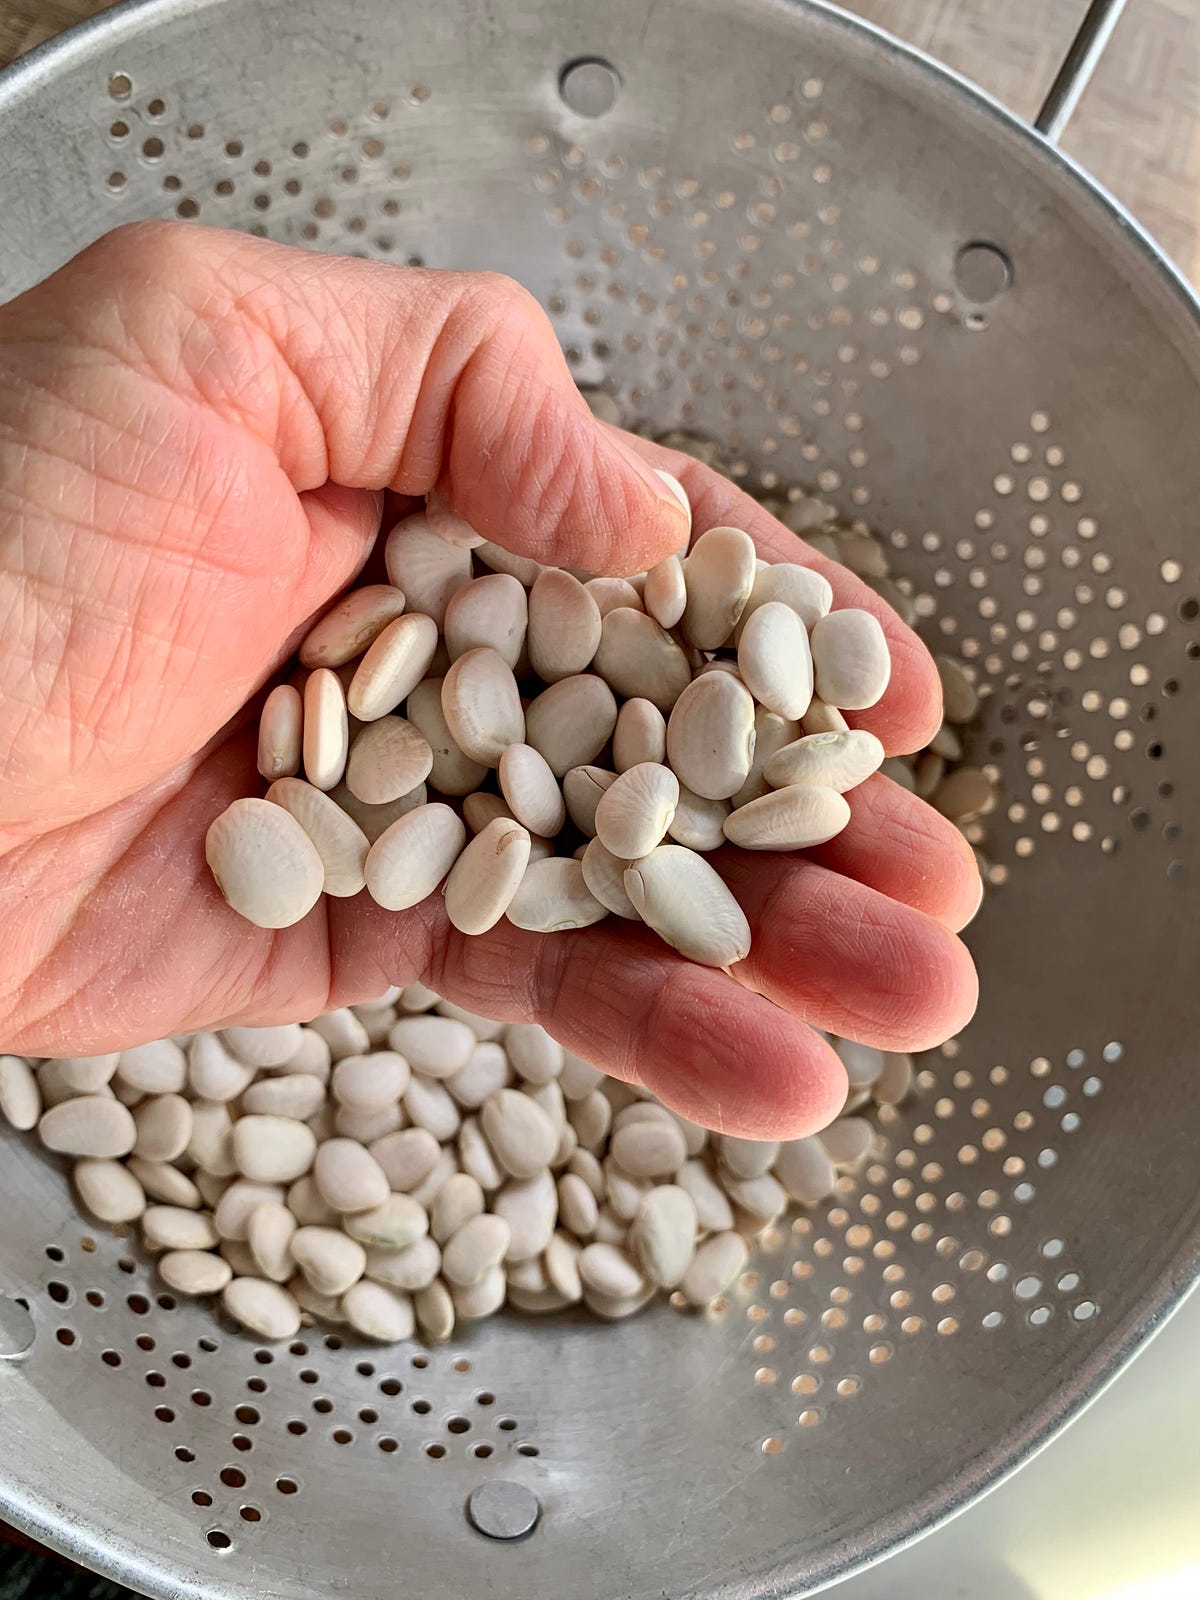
1138	125
1011	48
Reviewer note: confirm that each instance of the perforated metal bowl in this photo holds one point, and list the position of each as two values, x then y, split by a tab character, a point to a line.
781	230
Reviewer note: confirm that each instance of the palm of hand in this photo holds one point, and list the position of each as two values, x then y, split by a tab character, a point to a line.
178	520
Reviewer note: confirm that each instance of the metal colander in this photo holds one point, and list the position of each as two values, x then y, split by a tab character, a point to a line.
772	226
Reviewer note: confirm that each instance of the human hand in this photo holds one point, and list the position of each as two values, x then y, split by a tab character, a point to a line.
196	433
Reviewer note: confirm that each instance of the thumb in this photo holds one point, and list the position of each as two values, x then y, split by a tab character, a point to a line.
383	377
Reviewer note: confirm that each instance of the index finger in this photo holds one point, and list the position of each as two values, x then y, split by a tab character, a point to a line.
910	711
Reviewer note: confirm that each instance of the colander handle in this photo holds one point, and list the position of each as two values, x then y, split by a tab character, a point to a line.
1080	61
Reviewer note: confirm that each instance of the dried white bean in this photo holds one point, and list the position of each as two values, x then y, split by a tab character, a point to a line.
522	1136
863	1063
715	1265
486	1071
476	1157
406	1158
475	1301
662	1235
578	1078
395	1224
535	1056
686	903
713	1211
458	1200
156	1068
634	813
88	1125
378	1312
414	1267
435	1312
408	861
348	1177
553	897
960	700
215	1073
392	668
649	1149
641	660
364	1127
164	1127
746	1158
273	1149
372	1082
486	876
710	736
611	1271
270	1229
264	863
583	789
523	568
611	1229
175	1228
531	790
805	591
895	1080
427	568
564	626
805	1170
211	1144
161	1181
430	1105
348	629
698	824
87	1074
298	1095
851	659
477	1247
838	761
109	1190
591	1117
482	706
775	660
820	718
237	1205
796	818
848	1141
664	593
577	1205
762	1198
280	733
328	1259
434	1046
265	1308
612	593
316	1307
562	1268
376	820
20	1097
388	758
326	729
194	1272
720	573
570	722
530	1207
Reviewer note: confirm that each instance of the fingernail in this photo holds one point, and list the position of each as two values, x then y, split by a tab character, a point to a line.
661	490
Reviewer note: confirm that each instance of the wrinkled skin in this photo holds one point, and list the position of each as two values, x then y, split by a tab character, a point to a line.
197	431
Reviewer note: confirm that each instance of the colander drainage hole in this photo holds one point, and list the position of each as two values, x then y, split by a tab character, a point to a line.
218	1539
233	1477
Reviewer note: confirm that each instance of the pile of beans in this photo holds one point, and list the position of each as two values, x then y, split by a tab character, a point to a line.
405	1166
554	748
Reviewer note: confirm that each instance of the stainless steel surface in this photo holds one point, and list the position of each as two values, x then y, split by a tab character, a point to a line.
1081	61
772	261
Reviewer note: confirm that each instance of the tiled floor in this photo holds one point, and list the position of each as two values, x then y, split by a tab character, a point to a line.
1137	129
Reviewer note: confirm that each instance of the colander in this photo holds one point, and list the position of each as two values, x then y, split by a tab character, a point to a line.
774	227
